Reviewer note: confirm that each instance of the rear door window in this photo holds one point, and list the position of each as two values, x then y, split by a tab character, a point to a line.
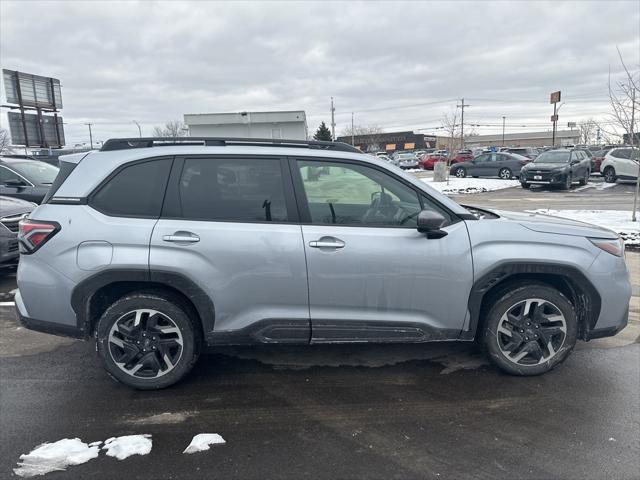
237	189
137	190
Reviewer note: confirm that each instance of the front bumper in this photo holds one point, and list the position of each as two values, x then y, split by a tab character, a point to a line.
545	178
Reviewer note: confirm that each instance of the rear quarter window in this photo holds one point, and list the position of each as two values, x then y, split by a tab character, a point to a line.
137	190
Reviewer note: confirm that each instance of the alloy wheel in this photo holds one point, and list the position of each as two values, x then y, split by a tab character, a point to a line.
531	332
145	343
505	174
461	173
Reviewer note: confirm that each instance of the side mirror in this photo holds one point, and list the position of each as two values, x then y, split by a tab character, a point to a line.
14	182
431	222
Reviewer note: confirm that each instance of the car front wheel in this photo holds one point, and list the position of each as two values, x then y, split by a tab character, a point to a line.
147	341
529	329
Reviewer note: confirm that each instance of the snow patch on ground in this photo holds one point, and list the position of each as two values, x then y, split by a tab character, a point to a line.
458	186
125	446
201	442
50	457
617	220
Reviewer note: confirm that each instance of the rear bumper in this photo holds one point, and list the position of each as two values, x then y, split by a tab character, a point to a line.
44	326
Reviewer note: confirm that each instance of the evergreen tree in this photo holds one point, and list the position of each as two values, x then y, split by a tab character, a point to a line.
323	133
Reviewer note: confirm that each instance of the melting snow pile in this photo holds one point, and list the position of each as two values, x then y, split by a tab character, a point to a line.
617	220
49	457
201	442
458	186
123	447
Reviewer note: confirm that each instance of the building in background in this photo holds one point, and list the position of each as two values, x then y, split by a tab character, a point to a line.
527	139
288	124
390	142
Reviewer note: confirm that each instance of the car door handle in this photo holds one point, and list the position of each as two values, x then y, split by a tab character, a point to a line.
180	237
335	243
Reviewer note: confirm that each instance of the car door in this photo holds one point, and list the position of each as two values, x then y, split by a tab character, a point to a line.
626	162
229	225
476	166
372	275
12	184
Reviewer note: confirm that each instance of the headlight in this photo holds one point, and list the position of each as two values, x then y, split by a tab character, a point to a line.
614	247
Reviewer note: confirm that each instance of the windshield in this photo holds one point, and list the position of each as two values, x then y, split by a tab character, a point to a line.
553	157
36	172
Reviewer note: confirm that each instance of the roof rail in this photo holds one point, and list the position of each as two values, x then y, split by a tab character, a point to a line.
148	142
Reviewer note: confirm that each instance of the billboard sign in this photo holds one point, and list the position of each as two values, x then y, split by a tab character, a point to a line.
48	134
32	90
555	97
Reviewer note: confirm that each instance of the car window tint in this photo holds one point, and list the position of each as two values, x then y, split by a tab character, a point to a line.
135	191
620	153
6	175
482	158
350	194
238	189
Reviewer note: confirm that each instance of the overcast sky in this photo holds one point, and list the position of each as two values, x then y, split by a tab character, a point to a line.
154	62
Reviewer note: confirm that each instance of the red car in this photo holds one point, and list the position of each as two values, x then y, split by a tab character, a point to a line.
427	162
462	156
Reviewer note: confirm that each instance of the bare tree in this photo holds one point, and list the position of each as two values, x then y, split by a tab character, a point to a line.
5	141
587	130
171	129
372	132
451	126
625	100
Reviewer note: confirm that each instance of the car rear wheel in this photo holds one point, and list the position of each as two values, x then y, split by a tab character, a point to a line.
529	329
609	175
460	172
505	174
147	341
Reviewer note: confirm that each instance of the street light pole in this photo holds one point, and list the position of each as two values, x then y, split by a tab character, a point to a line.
333	121
633	152
353	142
139	129
503	120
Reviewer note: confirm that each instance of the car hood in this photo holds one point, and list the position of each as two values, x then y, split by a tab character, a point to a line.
551	224
13	206
545	167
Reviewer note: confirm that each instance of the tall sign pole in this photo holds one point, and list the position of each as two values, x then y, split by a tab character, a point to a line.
555	99
353	141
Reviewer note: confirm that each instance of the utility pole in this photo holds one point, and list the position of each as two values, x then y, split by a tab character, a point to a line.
634	152
598	136
462	107
503	120
333	121
139	129
353	142
90	134
555	120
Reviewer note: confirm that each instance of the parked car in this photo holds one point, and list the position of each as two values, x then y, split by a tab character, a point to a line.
462	156
503	165
598	158
589	154
12	210
25	179
561	167
407	160
529	152
176	248
620	164
429	161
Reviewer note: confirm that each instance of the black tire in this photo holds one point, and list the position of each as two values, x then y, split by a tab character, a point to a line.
476	176
567	183
172	313
609	175
494	342
583	181
460	172
525	185
505	174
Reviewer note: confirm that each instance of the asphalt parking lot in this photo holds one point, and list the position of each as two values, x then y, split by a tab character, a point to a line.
358	411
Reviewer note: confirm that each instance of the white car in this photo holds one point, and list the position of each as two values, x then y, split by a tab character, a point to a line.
620	164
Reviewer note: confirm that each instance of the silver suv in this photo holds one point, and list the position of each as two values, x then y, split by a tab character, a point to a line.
159	249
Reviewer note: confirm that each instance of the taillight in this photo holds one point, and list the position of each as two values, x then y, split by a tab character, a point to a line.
32	234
